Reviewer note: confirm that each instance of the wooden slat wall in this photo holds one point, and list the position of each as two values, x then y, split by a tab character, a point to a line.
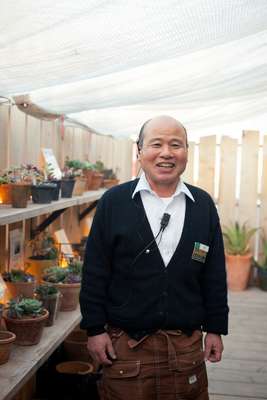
263	197
207	145
188	174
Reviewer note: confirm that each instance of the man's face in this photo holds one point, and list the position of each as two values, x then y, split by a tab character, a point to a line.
163	156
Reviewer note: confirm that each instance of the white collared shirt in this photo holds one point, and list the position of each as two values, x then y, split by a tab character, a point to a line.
156	206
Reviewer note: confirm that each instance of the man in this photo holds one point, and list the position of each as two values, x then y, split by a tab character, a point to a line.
154	278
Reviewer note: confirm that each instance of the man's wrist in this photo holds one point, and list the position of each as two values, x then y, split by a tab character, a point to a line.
95	330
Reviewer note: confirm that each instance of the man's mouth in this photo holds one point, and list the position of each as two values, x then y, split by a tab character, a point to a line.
166	165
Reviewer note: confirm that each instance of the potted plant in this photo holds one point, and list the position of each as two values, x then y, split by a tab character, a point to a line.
88	172
6	340
77	167
19	282
97	179
238	255
19	177
49	295
5	190
26	318
68	282
262	265
44	254
51	178
42	191
110	178
68	181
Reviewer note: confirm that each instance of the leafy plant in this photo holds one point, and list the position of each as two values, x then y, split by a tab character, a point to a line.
46	290
237	237
263	262
71	274
3	180
17	275
88	165
25	307
44	247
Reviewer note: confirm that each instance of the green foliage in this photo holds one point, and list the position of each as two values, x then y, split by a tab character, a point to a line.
71	274
263	257
75	164
44	247
88	165
46	290
3	180
99	166
237	237
17	275
24	307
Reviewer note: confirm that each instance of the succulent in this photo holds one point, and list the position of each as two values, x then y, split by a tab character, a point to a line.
17	275
46	290
44	247
70	274
24	307
237	237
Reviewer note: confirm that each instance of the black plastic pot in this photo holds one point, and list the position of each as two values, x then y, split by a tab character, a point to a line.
67	186
43	193
56	190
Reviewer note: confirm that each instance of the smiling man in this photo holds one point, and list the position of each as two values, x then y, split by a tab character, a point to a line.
154	278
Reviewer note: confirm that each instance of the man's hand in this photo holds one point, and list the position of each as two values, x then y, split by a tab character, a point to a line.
213	347
101	349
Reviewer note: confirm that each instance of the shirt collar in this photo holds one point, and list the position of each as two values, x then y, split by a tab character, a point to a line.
143	185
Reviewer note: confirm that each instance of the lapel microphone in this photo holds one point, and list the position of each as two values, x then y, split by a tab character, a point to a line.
164	221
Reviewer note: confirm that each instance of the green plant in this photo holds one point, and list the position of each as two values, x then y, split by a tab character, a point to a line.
46	290
263	259
71	274
24	307
3	180
17	275
88	165
99	166
44	247
237	237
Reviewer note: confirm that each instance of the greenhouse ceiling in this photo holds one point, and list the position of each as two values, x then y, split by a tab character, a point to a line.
112	64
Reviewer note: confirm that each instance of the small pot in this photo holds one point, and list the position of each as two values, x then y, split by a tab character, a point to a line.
5	193
43	193
51	304
20	195
262	275
67	186
6	340
25	289
55	194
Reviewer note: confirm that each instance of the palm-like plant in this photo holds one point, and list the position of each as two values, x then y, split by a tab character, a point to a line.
237	237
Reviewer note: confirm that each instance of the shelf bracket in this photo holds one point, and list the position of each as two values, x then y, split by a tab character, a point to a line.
52	217
88	210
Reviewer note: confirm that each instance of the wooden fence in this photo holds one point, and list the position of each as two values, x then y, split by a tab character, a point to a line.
22	136
234	172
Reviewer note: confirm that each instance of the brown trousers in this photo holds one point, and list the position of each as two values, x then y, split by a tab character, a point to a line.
167	365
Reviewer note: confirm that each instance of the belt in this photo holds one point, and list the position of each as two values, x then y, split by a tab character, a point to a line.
139	334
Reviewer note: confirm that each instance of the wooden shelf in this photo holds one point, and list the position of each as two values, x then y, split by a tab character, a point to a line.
9	215
25	360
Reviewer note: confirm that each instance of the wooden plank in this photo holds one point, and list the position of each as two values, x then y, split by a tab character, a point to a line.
207	149
188	175
25	360
263	196
249	173
4	117
9	215
226	200
33	134
17	136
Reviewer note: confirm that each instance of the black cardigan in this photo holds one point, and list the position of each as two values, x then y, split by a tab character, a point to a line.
138	292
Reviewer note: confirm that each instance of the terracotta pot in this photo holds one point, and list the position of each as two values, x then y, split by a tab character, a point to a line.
88	174
108	183
238	271
97	181
36	267
25	289
20	195
6	340
75	346
5	193
28	330
70	295
79	186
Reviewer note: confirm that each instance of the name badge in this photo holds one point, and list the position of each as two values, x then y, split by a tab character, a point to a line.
200	252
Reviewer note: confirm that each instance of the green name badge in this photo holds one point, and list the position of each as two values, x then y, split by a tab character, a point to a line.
200	252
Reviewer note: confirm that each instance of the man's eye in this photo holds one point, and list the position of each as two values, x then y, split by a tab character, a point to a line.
176	145
155	145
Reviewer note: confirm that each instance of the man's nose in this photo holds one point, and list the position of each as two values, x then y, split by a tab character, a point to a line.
166	151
